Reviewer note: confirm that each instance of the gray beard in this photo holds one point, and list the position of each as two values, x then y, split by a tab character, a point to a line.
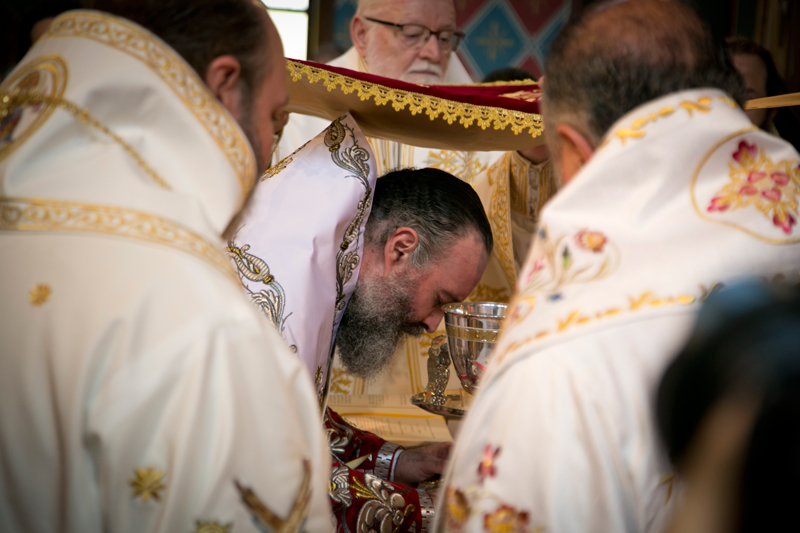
374	322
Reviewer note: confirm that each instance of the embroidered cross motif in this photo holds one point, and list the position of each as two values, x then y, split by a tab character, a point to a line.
147	484
39	294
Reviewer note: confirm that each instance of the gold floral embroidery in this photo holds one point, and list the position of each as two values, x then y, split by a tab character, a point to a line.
499	216
759	180
577	318
39	294
772	188
448	110
27	214
339	490
341	382
212	527
636	129
174	72
457	510
528	96
485	293
264	517
464	165
506	519
147	483
33	77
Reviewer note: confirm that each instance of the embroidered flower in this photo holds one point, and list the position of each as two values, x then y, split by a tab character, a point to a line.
506	519
772	188
591	240
537	266
745	151
457	509
487	468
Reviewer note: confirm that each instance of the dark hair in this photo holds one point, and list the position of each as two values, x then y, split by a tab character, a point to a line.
739	45
437	205
746	341
508	74
202	30
616	57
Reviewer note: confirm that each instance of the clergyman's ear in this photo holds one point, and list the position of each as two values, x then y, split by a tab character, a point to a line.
223	76
358	34
399	247
576	151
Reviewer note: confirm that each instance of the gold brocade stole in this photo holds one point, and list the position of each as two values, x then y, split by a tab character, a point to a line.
33	214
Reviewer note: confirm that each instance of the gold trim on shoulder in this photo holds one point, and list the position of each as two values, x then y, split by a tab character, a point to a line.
434	107
56	68
29	214
173	71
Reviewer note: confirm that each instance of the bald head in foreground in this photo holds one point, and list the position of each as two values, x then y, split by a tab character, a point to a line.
668	190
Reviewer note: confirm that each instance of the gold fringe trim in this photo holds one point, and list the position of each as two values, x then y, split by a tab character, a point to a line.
467	114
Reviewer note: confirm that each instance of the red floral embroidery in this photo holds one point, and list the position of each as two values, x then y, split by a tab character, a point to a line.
756	181
591	240
745	149
506	519
457	509
487	468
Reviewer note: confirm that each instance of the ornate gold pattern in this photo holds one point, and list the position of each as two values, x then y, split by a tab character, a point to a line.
212	527
272	300
341	382
433	107
464	165
636	129
39	294
19	99
499	177
57	70
266	518
147	483
577	318
174	72
28	214
384	508
792	181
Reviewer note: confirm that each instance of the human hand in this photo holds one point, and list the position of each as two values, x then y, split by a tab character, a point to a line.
419	463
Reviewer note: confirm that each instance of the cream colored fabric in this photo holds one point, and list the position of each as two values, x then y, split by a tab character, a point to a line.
509	186
684	193
298	244
137	383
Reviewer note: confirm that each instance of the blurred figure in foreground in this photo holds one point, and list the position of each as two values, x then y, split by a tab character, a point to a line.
729	413
668	190
755	64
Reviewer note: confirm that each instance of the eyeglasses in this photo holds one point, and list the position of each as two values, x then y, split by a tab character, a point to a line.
416	35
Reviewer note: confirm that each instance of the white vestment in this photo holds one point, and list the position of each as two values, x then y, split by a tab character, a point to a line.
511	188
138	386
298	243
683	193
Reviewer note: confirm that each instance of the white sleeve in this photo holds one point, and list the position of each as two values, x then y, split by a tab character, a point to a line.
173	427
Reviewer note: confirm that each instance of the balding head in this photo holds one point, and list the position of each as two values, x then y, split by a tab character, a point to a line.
622	54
